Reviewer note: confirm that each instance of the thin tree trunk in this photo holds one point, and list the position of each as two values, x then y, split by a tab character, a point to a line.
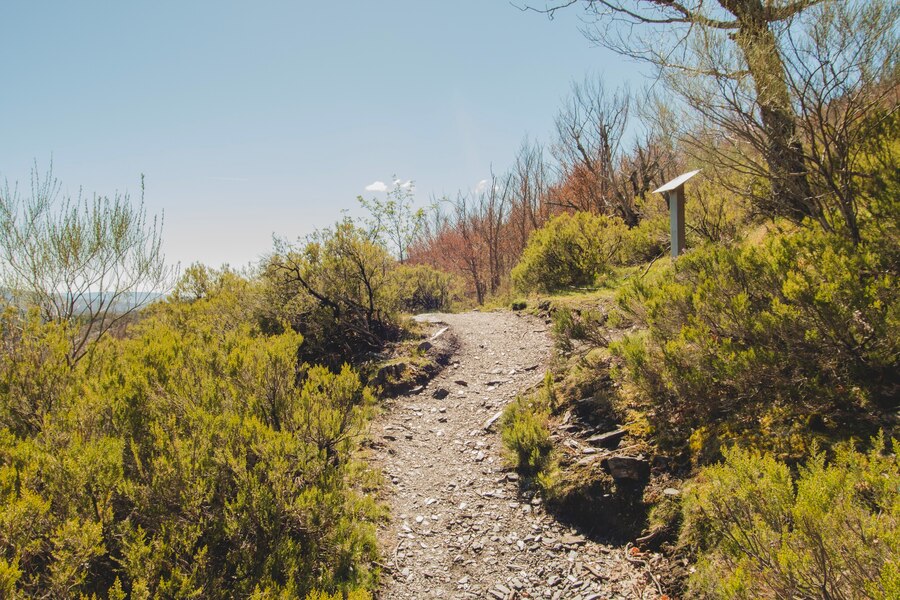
791	193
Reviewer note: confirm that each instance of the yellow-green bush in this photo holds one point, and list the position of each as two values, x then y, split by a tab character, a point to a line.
646	240
525	434
525	431
714	213
334	289
421	288
35	375
832	531
190	458
570	250
774	344
583	325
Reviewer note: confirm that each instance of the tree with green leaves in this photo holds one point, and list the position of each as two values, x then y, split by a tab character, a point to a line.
85	262
395	220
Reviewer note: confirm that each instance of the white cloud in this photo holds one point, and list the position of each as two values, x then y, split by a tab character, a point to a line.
481	186
380	186
377	186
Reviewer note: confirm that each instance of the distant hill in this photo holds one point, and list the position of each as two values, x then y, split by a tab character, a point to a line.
125	302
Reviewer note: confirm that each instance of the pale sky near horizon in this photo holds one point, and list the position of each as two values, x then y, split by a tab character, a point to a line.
250	119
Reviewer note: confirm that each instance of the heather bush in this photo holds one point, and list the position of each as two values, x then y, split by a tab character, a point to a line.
524	428
192	457
646	240
571	250
830	531
335	289
578	325
774	343
420	288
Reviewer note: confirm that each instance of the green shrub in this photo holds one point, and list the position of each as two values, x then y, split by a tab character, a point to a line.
525	431
335	289
773	344
35	374
582	325
646	240
570	250
831	532
421	288
190	458
525	434
714	213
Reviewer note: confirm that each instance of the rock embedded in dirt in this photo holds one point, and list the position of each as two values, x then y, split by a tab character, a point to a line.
571	540
609	440
493	419
627	467
440	393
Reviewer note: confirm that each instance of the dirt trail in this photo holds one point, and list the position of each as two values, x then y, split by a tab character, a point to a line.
460	526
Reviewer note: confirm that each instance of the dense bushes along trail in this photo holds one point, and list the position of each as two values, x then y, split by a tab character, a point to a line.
461	527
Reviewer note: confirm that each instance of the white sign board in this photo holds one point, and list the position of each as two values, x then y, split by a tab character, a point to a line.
676	183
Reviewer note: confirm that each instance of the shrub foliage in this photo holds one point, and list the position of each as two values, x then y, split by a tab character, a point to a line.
832	531
780	341
571	250
420	288
525	430
334	290
191	458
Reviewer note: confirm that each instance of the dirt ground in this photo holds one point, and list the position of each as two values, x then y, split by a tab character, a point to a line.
460	525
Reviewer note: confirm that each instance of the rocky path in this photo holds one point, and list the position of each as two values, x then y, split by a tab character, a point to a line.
461	527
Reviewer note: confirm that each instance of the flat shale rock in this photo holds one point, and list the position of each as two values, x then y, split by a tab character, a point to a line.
609	440
627	467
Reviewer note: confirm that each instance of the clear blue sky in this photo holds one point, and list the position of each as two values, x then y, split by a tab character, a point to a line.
254	118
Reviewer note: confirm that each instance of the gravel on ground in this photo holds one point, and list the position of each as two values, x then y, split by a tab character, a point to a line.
460	526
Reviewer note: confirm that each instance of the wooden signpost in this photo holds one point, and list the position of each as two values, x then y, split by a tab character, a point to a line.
674	191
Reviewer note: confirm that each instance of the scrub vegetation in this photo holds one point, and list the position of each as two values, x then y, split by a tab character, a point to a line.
209	445
740	401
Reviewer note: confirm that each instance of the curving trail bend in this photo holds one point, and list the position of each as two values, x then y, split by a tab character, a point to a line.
460	527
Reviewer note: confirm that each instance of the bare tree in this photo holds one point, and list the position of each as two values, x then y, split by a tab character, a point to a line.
529	187
603	173
589	137
465	244
842	75
470	235
726	59
491	217
86	262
